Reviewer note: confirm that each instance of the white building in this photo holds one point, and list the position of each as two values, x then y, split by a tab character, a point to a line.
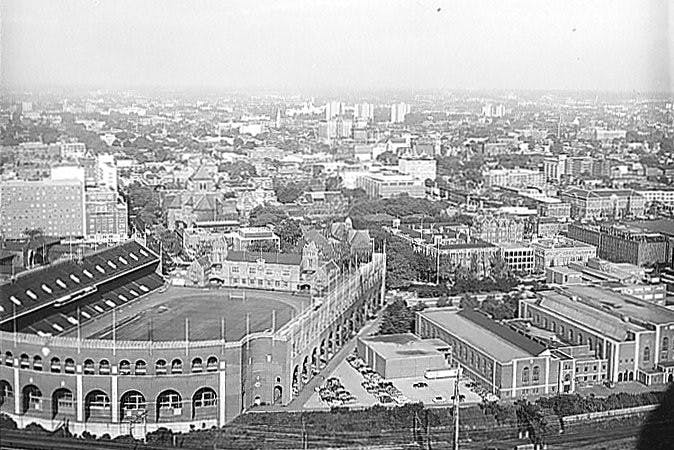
421	168
399	111
514	178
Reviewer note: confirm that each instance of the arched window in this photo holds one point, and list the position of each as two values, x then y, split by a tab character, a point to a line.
545	323
561	330
124	367
9	359
37	362
665	344
176	366
590	344
89	367
212	364
647	354
554	326
141	368
55	365
104	367
160	367
203	398
169	405
69	366
525	375
580	338
571	335
197	365
535	374
24	361
6	391
97	406
132	405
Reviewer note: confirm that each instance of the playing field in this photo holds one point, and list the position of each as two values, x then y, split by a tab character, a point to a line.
161	316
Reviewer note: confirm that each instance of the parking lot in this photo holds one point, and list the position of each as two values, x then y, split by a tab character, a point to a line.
368	388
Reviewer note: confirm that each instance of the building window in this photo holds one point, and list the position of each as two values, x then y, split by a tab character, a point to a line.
647	354
665	344
535	375
525	375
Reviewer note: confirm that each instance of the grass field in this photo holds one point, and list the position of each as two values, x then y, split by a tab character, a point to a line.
161	316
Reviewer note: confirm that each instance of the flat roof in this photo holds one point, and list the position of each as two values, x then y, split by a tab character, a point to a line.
488	336
402	346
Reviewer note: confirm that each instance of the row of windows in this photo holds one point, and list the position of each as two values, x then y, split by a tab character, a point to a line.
260	282
253	271
125	367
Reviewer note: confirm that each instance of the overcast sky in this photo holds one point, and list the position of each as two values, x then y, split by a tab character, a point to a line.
340	44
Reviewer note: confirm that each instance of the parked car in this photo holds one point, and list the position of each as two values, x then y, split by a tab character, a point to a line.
420	385
438	399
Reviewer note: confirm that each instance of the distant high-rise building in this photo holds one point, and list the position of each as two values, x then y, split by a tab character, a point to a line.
333	109
492	110
106	215
363	111
399	111
56	207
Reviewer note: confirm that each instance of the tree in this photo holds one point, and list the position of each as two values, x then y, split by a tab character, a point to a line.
419	306
443	301
144	202
289	192
333	183
397	318
388	158
289	233
264	215
400	263
469	302
530	418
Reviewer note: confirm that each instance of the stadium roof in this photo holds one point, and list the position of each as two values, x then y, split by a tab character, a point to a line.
68	280
498	341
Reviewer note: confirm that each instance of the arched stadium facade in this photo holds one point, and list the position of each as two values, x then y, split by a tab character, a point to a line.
120	387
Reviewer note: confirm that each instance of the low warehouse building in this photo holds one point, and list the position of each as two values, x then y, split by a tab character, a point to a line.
402	355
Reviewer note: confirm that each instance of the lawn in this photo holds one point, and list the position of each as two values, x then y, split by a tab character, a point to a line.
164	319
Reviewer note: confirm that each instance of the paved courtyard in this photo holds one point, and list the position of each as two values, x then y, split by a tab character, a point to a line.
352	379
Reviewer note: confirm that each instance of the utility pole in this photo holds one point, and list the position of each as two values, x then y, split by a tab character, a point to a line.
428	432
305	441
456	409
437	262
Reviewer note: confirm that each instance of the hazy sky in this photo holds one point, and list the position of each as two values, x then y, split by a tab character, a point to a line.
340	44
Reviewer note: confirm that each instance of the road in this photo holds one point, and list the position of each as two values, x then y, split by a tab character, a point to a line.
297	404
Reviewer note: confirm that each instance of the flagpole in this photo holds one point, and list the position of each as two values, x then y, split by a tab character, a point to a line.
114	331
222	336
187	335
79	332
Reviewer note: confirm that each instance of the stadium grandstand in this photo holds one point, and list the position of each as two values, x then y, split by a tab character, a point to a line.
45	301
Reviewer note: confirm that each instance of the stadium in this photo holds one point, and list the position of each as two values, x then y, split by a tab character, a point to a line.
104	344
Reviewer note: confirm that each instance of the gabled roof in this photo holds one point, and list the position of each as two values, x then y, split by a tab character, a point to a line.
202	173
204	204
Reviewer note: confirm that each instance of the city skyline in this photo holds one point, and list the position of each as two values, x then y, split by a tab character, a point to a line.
347	46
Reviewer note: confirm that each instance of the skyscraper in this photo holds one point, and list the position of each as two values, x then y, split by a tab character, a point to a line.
398	112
